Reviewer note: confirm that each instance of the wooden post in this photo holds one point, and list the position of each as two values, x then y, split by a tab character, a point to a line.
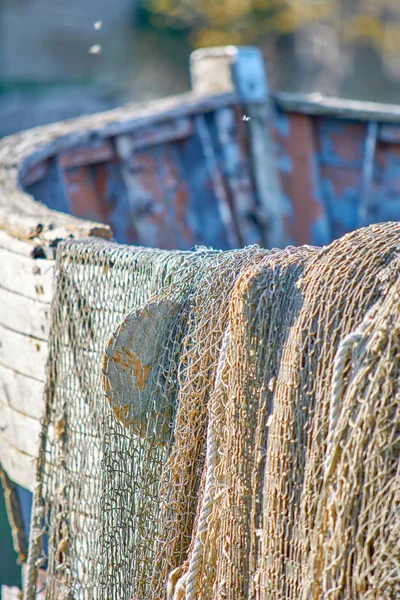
240	69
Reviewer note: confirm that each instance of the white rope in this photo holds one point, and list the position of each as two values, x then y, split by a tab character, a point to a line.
210	464
344	351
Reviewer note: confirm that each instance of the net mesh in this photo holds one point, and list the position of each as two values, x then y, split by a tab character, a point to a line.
255	451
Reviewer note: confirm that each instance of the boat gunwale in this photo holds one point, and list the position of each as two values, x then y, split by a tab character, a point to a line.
23	217
317	104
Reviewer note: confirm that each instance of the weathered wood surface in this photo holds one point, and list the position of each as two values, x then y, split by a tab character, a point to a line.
317	104
25	296
272	210
21	393
227	69
20	467
14	427
26	219
26	276
23	275
24	354
26	315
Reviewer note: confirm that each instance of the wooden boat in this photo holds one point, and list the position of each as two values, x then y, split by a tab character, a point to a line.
224	165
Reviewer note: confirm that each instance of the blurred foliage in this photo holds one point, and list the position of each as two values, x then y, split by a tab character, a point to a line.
219	22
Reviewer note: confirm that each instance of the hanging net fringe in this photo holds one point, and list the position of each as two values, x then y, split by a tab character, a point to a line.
257	456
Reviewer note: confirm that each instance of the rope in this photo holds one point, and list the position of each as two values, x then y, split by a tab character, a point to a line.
210	464
338	382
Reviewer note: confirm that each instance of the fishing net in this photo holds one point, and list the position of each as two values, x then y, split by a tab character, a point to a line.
100	469
247	441
303	498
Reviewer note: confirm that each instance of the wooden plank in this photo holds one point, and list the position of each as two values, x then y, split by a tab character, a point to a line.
32	146
83	198
21	216
317	104
29	277
242	69
12	244
81	156
162	133
232	137
148	208
20	431
226	68
310	220
25	315
52	190
20	467
25	354
21	393
175	190
217	184
268	186
206	194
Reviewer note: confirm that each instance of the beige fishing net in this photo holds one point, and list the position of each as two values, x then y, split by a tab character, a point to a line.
222	425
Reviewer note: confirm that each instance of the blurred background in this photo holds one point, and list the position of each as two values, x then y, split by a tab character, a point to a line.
63	58
60	59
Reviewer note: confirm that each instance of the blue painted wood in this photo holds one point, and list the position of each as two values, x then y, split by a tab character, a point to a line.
121	218
173	183
364	202
25	498
216	181
204	216
228	136
249	75
51	189
201	177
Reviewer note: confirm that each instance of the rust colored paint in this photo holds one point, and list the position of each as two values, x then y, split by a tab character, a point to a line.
387	173
300	184
99	175
124	415
189	181
383	155
129	361
82	194
106	384
141	371
176	195
87	155
121	413
147	201
340	143
341	179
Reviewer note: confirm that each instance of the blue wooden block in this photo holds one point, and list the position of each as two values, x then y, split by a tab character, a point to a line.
249	75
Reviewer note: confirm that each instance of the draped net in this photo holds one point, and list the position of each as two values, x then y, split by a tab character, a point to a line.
261	458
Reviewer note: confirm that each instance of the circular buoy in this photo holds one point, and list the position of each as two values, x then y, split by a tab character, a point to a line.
132	370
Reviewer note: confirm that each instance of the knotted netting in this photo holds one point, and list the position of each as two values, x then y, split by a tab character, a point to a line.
101	470
253	450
